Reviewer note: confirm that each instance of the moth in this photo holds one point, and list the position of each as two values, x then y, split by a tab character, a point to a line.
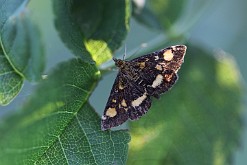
137	81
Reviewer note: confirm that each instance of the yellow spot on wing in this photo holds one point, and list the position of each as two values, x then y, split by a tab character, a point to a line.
142	65
158	80
123	103
139	100
168	55
158	67
111	112
120	86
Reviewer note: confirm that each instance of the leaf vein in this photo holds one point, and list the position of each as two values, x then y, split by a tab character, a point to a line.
65	156
86	137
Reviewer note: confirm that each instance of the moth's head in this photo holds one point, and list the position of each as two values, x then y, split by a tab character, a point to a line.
119	63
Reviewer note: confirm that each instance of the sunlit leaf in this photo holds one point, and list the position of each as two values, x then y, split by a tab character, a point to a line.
94	29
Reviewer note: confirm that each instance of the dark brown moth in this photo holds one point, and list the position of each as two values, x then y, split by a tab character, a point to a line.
137	81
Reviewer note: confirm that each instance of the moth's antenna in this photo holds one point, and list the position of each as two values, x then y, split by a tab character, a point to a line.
125	50
136	50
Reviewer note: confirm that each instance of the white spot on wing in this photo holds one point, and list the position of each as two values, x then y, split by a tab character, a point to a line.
158	80
139	100
103	117
168	55
156	57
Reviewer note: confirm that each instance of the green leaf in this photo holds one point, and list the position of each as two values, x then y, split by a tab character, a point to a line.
58	126
84	143
22	47
198	121
11	82
21	51
94	29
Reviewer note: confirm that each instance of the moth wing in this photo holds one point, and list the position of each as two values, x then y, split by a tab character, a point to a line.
114	115
171	58
126	100
130	98
158	70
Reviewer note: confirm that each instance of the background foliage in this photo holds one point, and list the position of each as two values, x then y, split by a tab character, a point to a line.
200	121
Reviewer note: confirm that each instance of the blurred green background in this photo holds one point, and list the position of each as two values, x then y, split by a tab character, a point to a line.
218	25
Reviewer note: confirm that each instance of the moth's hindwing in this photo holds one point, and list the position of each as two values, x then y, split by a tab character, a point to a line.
125	101
114	114
138	80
